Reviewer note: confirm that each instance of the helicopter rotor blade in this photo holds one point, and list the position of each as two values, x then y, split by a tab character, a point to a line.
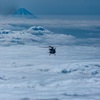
48	46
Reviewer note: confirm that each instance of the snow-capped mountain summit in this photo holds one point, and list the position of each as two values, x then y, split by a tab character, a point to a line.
22	13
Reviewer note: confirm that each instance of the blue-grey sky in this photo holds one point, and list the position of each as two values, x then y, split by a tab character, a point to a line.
68	7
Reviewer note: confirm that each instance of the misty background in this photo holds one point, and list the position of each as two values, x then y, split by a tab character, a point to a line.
69	28
52	7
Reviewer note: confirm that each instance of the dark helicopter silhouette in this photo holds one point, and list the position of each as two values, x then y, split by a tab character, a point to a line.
52	50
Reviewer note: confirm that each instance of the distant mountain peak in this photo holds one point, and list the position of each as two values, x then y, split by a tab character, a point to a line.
22	12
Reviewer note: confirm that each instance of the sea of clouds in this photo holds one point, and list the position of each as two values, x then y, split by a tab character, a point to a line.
59	31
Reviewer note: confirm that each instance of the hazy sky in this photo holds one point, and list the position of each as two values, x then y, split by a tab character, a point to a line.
68	7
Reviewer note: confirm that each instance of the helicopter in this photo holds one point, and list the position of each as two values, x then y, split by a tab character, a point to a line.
52	50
